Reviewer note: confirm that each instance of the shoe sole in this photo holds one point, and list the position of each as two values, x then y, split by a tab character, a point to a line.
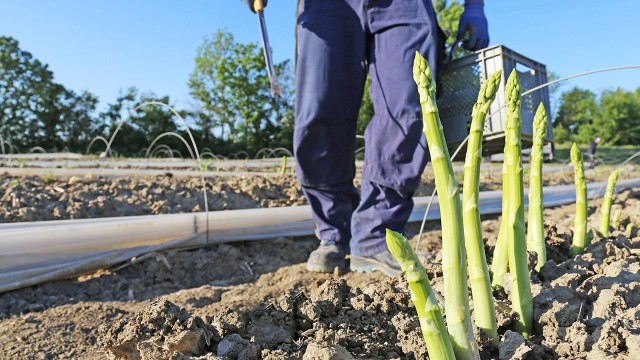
365	265
325	268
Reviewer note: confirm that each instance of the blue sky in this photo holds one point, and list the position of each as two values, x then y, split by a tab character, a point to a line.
108	45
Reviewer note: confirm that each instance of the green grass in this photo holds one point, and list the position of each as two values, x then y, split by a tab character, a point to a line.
606	154
48	177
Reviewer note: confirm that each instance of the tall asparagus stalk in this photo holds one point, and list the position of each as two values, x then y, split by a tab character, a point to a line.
580	225
484	309
434	331
605	212
536	224
521	298
454	260
500	263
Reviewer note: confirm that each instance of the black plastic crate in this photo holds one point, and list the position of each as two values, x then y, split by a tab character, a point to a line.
460	84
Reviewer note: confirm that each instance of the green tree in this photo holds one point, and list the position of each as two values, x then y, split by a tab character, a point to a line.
80	123
561	135
448	14
35	109
578	108
154	120
231	84
24	82
618	121
615	117
70	120
554	93
142	123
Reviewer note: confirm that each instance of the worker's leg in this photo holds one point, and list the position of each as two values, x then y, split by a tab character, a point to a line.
592	160
329	81
395	147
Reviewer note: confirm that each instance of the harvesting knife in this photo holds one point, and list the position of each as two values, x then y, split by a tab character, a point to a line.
275	87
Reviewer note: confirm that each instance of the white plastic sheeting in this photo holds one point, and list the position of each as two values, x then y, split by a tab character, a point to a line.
119	173
35	252
139	163
43	156
115	170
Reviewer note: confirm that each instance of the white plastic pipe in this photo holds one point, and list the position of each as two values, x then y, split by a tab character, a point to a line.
50	156
118	173
36	252
116	170
174	163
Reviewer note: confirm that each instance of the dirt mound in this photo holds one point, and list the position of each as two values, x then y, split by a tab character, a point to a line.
32	198
160	331
589	307
333	321
36	199
173	272
584	307
258	296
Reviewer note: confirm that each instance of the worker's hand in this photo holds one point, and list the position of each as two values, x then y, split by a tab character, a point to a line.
474	23
251	4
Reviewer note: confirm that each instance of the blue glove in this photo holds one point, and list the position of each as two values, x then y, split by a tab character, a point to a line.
250	4
473	22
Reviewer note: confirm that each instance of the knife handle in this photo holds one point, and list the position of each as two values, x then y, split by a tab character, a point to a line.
257	5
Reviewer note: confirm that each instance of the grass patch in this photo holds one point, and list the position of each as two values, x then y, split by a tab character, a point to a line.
606	154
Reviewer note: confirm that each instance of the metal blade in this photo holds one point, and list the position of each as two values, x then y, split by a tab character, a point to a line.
275	88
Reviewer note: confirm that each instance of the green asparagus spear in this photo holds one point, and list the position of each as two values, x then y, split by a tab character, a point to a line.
522	301
434	331
536	223
500	263
605	213
580	226
454	261
484	309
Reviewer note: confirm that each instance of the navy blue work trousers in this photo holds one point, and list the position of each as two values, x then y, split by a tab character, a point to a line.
338	41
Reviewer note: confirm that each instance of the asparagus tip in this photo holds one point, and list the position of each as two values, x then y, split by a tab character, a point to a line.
423	76
576	154
540	121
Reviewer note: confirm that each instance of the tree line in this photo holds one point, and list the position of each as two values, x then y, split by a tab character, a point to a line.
613	115
232	108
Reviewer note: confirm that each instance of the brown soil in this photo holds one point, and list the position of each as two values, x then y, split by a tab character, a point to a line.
35	199
253	300
32	198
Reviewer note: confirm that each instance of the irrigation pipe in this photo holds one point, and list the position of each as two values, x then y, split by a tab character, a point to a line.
620	168
169	133
162	147
38	148
10	146
630	158
52	156
152	167
236	155
193	142
266	153
51	250
116	173
175	163
99	137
